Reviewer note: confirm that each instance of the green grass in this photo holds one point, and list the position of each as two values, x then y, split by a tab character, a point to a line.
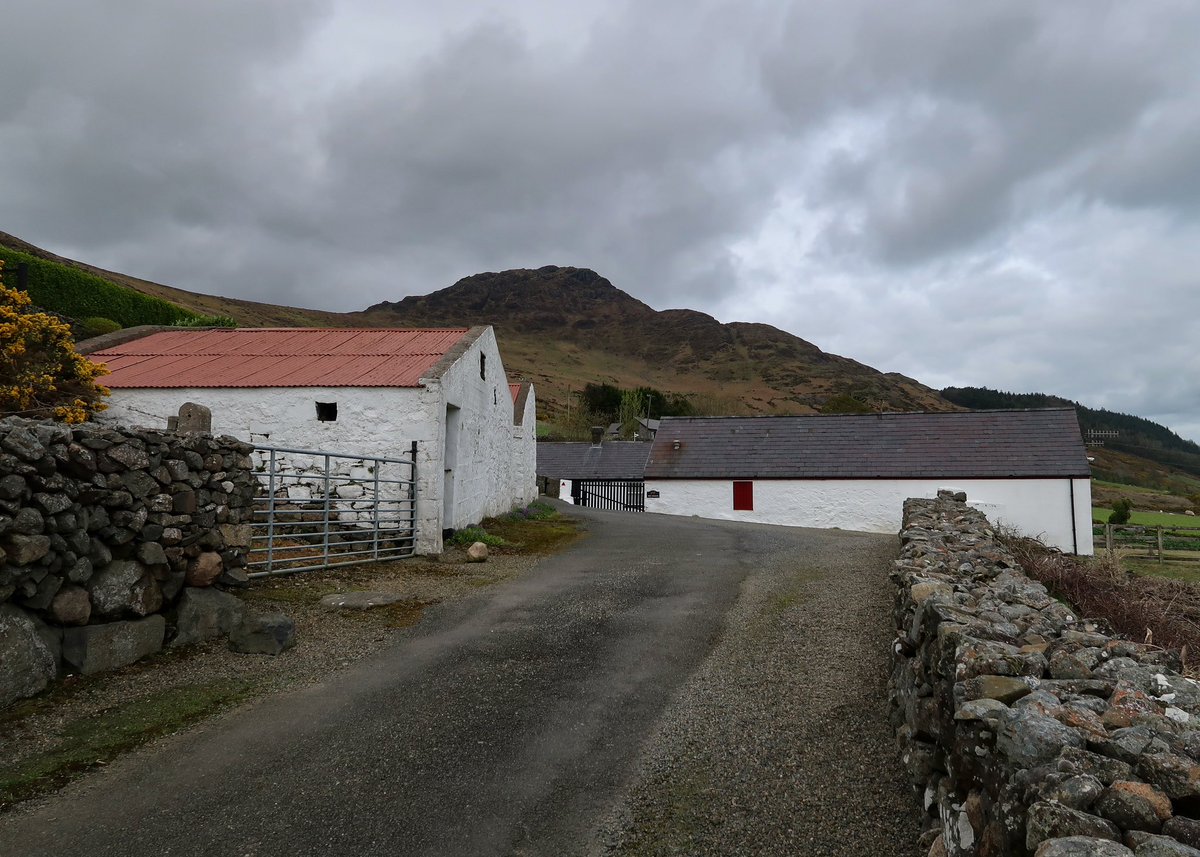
1189	572
78	294
92	741
1150	519
1135	489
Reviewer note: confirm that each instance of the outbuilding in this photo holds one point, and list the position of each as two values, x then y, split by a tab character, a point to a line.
360	391
1026	469
604	475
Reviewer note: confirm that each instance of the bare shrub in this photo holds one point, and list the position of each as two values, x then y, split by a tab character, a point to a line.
1166	612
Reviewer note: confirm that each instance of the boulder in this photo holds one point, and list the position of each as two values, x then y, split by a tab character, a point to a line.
204	613
1150	845
1029	738
24	549
1135	806
478	552
124	587
96	648
28	655
204	569
263	635
359	600
71	606
1081	846
1047	820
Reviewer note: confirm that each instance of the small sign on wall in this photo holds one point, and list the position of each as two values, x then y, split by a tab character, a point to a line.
652	494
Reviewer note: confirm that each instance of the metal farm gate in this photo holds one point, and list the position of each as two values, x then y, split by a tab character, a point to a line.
627	495
319	509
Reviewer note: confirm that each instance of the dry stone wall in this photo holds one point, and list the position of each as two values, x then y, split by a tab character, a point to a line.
1024	729
104	533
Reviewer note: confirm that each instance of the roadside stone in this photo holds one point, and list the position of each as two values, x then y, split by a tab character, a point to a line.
124	587
1175	775
1047	820
1077	792
130	457
263	635
23	550
1006	689
204	613
1029	739
1150	845
1135	806
204	569
234	578
1081	846
478	552
1186	830
98	648
359	600
151	554
71	606
28	661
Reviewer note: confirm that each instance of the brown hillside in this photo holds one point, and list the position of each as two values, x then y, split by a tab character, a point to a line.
564	327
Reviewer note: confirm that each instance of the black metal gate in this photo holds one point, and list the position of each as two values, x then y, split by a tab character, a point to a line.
627	495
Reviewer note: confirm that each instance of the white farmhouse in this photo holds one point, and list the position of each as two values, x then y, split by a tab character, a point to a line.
1026	469
358	391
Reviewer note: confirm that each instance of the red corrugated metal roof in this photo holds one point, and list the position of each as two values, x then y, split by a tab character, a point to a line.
514	390
278	357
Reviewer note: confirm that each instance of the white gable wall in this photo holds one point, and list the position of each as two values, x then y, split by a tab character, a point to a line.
1035	507
485	480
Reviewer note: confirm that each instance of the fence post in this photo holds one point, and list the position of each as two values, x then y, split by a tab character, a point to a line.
1160	544
1108	537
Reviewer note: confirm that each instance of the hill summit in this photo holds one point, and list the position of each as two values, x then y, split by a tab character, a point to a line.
576	322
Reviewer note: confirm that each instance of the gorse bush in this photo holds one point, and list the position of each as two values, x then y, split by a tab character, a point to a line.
78	294
1121	511
41	373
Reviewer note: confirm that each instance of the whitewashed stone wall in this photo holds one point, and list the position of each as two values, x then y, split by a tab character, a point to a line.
1035	507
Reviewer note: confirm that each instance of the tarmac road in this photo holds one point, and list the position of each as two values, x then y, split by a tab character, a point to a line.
667	685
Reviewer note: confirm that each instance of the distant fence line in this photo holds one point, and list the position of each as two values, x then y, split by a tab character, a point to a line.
1165	543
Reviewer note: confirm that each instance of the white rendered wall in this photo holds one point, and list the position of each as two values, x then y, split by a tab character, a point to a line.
523	459
1035	507
379	421
564	491
485	482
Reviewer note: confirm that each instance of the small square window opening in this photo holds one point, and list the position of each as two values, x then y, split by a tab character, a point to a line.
327	412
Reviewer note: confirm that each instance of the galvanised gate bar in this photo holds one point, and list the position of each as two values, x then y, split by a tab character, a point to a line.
319	509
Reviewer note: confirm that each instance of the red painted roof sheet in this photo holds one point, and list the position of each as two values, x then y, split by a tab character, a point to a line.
278	357
514	390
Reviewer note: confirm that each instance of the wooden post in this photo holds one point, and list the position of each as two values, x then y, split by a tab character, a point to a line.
1108	537
1160	548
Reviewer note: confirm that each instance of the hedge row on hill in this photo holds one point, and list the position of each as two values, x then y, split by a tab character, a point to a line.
78	294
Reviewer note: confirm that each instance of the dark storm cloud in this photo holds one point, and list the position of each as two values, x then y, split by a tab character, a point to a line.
964	192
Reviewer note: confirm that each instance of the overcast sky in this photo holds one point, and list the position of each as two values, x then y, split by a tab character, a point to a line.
1002	194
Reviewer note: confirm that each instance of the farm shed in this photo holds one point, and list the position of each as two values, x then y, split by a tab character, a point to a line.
1026	469
606	475
360	391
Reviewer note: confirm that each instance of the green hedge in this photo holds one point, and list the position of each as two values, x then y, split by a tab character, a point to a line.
77	294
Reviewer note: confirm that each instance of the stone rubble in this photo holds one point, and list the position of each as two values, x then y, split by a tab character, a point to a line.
1025	729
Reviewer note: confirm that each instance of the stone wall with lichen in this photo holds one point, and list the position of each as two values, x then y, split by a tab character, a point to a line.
1025	729
102	530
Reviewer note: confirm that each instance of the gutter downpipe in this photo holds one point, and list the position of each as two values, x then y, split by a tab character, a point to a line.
1074	532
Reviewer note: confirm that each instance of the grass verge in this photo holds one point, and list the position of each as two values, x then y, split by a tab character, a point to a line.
93	741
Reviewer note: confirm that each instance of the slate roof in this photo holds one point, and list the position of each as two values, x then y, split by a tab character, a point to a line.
972	444
611	460
279	357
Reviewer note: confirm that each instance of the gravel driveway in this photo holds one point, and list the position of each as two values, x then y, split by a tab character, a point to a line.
665	686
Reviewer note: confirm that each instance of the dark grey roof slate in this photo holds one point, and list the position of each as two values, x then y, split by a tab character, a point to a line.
611	460
972	444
